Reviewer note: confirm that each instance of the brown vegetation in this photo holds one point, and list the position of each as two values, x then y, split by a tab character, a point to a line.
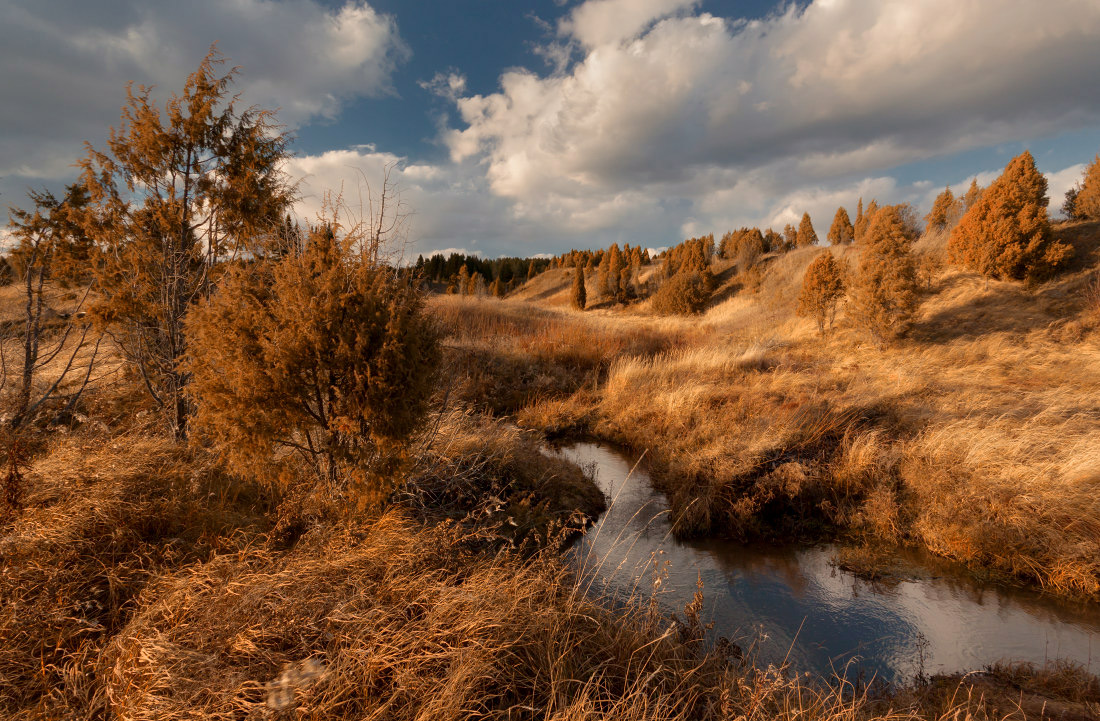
1005	234
822	290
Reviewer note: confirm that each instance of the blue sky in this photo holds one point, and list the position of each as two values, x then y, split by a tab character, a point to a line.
525	128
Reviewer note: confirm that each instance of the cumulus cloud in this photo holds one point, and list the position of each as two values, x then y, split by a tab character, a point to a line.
298	55
807	97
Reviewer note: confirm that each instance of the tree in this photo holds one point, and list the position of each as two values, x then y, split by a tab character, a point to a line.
1069	204
864	220
806	235
884	296
1086	205
790	237
686	292
578	296
613	282
945	213
1006	234
175	195
842	230
322	361
972	196
52	249
822	289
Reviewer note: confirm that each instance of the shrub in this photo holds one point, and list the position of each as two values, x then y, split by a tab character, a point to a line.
842	230
822	289
322	361
1006	234
1086	205
686	292
884	295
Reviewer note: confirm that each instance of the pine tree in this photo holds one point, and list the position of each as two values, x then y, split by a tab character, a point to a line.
1006	233
884	296
842	230
859	211
1086	205
822	289
946	211
463	281
578	295
806	235
174	196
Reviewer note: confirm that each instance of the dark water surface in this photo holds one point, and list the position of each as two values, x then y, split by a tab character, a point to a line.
796	605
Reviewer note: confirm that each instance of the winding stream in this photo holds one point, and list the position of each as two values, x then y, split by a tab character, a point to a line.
792	603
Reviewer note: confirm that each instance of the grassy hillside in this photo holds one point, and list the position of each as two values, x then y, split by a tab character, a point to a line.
974	437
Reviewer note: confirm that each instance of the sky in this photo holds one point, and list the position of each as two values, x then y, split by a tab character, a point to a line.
524	128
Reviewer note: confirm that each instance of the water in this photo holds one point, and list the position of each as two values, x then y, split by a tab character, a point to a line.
794	605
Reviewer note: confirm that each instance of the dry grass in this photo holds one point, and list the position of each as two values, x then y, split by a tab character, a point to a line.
394	620
974	438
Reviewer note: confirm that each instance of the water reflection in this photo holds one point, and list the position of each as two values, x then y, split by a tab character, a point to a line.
793	604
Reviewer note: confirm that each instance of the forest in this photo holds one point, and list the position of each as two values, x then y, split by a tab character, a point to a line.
257	466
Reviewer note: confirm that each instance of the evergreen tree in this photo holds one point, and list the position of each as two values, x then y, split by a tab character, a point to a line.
972	196
946	211
1086	205
319	364
822	289
806	235
578	295
865	220
790	237
173	196
884	296
613	287
842	230
1006	233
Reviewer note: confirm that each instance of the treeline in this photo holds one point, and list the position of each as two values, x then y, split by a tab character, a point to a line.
471	275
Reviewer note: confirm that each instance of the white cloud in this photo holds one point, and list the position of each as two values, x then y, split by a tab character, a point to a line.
66	65
809	98
605	22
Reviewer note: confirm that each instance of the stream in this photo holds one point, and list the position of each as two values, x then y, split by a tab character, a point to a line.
793	604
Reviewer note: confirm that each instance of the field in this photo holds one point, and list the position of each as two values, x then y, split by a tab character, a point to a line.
142	581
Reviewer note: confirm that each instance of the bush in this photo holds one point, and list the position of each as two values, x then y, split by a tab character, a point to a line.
323	361
1006	234
822	289
686	292
884	295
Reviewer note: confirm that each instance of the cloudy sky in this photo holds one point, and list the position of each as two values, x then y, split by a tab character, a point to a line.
532	127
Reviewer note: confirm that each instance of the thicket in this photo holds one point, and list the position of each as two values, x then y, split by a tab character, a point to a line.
884	294
1005	233
822	289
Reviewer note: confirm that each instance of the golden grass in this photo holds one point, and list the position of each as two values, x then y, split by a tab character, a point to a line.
974	438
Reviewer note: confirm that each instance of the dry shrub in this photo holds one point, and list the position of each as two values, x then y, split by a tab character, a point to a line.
685	293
